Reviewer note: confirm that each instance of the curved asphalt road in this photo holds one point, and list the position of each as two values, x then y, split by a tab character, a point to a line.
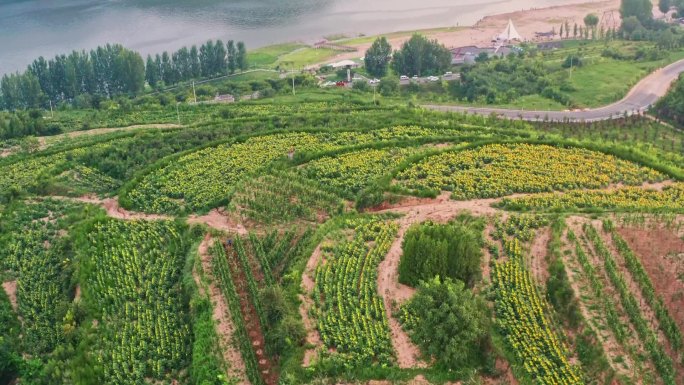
639	99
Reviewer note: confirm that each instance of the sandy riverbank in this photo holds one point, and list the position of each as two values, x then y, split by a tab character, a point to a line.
527	22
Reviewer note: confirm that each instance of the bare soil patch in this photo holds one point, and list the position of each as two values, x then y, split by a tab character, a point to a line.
394	293
646	309
10	288
539	251
111	205
219	220
662	254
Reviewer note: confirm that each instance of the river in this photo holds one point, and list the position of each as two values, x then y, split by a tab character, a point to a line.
31	28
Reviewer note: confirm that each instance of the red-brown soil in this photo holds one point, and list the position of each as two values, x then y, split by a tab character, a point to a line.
662	255
10	288
254	328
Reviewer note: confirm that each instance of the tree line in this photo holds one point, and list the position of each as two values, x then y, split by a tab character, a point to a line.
85	77
210	60
417	56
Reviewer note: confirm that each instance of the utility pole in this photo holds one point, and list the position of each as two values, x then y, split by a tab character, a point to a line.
194	94
52	114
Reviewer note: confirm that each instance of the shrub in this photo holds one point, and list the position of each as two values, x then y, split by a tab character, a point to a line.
452	250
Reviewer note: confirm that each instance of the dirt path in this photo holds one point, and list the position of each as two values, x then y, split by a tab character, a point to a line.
111	206
539	251
393	293
313	338
221	315
217	219
10	288
45	141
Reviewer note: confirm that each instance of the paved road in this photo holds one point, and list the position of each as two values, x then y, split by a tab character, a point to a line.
640	97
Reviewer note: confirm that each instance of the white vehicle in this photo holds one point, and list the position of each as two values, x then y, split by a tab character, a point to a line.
433	78
403	77
448	73
373	81
415	77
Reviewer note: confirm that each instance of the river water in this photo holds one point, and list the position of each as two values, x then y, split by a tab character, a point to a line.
31	28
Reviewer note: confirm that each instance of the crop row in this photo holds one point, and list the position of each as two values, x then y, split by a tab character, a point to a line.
205	177
661	360
670	198
503	169
227	286
351	315
283	197
34	248
599	292
134	284
351	172
521	315
637	271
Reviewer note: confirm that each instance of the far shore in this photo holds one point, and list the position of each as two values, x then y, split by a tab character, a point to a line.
527	23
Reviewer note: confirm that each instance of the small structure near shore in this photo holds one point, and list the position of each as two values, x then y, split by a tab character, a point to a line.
468	54
225	98
509	34
345	64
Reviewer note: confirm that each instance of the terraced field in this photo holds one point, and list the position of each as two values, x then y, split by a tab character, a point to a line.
263	247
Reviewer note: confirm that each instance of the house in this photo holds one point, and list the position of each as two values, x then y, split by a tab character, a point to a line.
468	54
549	45
226	98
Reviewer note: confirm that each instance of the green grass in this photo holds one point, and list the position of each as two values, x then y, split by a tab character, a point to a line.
306	56
606	81
369	39
267	56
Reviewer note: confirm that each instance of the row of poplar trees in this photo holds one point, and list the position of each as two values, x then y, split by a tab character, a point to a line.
112	70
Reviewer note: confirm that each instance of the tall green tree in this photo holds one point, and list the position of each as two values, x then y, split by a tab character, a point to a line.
664	5
151	72
220	58
241	56
420	56
641	9
232	56
429	249
195	65
450	324
378	57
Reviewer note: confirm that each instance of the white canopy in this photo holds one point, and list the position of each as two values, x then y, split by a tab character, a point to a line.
510	33
345	63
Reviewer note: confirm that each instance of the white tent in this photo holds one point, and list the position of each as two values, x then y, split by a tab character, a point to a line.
510	33
344	64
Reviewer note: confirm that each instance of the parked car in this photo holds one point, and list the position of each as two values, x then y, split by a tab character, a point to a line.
403	77
415	77
448	74
433	78
373	81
